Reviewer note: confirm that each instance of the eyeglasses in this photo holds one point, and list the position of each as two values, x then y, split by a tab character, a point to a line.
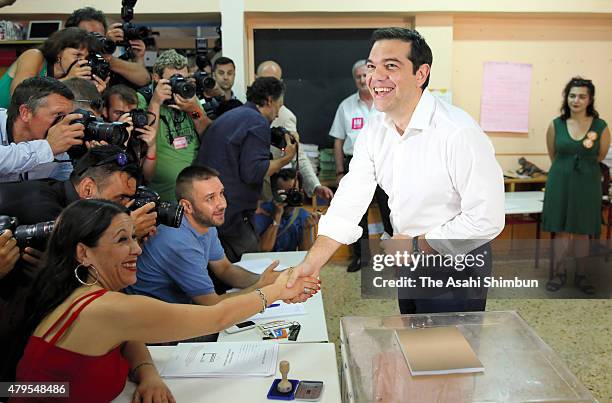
120	159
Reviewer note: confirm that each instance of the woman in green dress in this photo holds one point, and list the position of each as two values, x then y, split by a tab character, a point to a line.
577	141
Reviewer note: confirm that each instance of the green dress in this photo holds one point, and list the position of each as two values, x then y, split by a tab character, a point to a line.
572	201
5	85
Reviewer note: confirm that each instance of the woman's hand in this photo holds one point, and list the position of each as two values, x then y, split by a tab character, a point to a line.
80	69
153	389
304	286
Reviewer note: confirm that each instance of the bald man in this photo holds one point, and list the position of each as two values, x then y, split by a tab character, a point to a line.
287	119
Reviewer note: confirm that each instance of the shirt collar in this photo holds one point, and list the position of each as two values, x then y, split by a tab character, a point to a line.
422	115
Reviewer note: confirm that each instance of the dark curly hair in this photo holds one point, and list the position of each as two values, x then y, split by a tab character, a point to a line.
579	82
264	87
86	14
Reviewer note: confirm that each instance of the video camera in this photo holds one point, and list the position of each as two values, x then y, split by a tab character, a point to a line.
35	235
169	214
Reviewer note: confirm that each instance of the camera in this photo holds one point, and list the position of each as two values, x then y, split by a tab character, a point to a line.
204	82
169	214
35	235
182	86
99	66
114	133
106	45
277	137
132	31
140	118
293	197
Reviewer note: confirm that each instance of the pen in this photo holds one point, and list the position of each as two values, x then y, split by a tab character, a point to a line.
273	305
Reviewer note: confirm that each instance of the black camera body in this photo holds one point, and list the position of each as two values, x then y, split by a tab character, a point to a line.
204	82
169	214
35	235
114	133
182	86
292	197
132	31
99	66
140	118
277	137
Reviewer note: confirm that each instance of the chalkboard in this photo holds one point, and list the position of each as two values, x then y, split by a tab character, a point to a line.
316	67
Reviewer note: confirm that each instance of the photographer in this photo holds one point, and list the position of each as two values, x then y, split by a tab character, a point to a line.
224	73
120	105
179	121
237	145
92	20
86	95
288	120
282	226
31	137
63	55
105	172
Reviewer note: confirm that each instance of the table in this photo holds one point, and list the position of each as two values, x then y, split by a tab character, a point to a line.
312	362
527	203
519	366
314	327
512	182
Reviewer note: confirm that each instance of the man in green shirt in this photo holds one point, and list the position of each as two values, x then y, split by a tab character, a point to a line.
179	124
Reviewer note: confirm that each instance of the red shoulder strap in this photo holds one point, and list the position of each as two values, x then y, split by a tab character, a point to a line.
89	297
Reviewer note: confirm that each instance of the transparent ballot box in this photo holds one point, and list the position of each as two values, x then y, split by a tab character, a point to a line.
519	366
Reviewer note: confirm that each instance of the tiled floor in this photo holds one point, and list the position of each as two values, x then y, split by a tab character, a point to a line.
580	331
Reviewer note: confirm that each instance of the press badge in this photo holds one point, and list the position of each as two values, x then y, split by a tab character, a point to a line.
180	143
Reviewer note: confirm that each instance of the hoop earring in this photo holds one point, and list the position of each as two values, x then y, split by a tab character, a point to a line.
76	274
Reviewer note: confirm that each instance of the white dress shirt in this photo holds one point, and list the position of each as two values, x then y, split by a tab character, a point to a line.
350	121
441	176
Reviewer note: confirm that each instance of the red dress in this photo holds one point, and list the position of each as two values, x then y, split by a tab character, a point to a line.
92	378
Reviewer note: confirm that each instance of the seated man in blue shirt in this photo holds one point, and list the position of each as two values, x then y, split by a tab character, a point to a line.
282	227
173	263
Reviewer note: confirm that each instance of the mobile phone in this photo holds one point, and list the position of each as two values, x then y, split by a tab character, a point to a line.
239	327
309	391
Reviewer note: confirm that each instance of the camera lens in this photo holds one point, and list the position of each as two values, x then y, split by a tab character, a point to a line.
182	87
169	214
36	234
139	118
114	133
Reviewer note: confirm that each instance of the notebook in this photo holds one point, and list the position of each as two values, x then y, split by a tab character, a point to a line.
437	351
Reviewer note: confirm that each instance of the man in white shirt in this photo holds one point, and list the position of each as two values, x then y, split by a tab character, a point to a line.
31	142
351	117
432	159
288	120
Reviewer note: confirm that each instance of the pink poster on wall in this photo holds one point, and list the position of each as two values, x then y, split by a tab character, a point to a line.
504	106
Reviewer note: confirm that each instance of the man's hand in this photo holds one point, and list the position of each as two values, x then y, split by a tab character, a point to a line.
324	192
163	92
100	84
33	256
302	288
115	33
80	70
64	135
269	276
187	105
139	48
313	219
9	253
145	219
302	270
148	135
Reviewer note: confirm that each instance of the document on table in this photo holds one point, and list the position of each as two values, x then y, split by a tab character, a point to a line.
258	266
280	310
222	360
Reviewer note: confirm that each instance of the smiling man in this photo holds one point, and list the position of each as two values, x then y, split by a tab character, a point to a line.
432	159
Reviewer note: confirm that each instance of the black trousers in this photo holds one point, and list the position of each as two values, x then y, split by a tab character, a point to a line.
472	299
383	204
